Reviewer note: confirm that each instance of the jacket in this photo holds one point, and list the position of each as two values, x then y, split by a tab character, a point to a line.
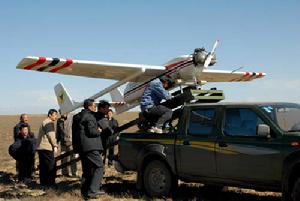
76	133
113	123
64	130
107	131
46	137
23	148
153	94
90	138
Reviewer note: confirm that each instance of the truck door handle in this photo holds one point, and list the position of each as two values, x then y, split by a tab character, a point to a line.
222	144
186	142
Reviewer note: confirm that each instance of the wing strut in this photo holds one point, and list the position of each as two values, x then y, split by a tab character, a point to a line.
117	84
110	88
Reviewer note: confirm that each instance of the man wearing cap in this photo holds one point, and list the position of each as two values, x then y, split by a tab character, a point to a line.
154	93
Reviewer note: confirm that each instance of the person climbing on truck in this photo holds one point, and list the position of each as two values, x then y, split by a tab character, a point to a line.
154	93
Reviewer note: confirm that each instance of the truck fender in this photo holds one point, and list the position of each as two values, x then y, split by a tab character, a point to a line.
148	153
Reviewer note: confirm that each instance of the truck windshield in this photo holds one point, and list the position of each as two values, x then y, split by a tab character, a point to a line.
286	116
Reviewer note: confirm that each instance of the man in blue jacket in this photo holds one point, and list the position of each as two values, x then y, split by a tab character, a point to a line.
154	93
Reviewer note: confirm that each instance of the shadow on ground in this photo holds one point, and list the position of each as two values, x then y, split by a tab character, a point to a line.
119	188
127	188
10	188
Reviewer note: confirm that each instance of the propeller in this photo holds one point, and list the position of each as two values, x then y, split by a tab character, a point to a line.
202	59
210	55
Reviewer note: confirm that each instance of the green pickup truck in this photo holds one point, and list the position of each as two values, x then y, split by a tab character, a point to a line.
251	145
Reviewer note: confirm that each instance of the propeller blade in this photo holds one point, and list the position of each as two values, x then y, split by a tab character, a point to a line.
215	46
210	55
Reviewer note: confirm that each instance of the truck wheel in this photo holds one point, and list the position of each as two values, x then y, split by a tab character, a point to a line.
296	190
157	179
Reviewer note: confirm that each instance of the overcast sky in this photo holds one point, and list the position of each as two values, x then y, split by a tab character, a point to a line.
259	35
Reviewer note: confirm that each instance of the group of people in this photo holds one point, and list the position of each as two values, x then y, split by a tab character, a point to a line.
91	138
26	144
89	133
23	149
93	134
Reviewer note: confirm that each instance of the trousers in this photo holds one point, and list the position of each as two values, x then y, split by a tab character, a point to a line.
47	167
92	172
163	112
65	170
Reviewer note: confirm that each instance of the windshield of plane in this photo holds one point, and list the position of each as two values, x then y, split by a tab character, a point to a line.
286	116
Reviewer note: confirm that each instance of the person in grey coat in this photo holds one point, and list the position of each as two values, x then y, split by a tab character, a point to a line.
64	138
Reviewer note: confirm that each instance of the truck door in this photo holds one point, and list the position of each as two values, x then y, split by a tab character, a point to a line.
195	146
241	154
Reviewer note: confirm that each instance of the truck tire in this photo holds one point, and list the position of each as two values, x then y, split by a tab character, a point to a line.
296	191
157	179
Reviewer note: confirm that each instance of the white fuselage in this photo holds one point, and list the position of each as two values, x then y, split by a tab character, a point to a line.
178	68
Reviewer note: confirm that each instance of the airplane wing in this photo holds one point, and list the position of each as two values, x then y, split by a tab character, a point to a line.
211	75
92	69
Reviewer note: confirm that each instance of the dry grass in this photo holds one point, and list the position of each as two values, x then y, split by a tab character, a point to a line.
118	186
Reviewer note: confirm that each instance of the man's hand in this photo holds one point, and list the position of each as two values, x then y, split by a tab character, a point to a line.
55	150
99	129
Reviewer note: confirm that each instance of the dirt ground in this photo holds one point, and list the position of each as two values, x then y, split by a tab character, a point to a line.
118	186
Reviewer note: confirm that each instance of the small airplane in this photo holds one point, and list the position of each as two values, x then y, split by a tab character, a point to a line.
186	70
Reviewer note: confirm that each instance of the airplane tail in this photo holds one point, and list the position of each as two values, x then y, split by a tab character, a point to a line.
116	95
64	100
118	102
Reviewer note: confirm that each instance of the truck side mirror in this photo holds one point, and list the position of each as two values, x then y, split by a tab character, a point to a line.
263	130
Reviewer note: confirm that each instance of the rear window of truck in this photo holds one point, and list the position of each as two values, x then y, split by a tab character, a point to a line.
201	121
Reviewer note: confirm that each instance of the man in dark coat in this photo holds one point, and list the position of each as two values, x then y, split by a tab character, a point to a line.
24	119
23	150
107	135
90	150
113	123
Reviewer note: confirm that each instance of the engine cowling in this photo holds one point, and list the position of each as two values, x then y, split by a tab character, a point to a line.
200	55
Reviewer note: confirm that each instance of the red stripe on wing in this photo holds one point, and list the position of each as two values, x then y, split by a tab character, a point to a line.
174	64
68	63
39	62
